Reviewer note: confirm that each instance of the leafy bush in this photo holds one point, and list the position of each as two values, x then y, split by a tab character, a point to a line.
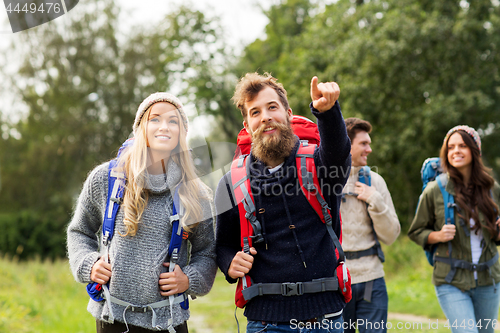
29	234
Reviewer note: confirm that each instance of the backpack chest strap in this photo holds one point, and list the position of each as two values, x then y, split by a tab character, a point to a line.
462	264
291	288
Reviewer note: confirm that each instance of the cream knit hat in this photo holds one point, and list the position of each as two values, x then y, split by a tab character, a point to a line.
155	98
469	130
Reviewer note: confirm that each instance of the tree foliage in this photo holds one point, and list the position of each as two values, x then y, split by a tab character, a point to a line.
81	81
413	69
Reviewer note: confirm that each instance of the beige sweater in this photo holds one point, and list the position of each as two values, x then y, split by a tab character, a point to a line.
357	232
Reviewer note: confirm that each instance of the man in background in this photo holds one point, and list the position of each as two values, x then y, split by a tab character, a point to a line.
368	215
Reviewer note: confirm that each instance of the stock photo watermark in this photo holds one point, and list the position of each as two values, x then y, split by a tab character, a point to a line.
431	324
26	14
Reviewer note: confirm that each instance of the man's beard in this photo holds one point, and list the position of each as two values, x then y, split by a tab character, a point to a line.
273	147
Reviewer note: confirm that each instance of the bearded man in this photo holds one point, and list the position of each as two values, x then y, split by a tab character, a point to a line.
295	245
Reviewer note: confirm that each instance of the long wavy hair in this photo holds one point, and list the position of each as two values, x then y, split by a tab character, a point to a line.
134	161
475	196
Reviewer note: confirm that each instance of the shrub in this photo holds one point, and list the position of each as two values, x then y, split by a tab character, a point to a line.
30	234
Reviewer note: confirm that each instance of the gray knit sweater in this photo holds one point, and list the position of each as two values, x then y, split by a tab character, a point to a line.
137	261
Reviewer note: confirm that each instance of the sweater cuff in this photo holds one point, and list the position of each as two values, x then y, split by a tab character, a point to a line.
195	287
318	114
86	267
373	201
230	279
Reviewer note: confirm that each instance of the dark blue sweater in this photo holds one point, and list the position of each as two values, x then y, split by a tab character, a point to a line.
281	203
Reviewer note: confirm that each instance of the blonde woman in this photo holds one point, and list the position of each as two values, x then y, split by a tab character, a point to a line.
132	267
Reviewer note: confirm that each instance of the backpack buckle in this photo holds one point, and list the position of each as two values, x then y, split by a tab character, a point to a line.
105	239
116	200
138	308
175	255
257	238
292	289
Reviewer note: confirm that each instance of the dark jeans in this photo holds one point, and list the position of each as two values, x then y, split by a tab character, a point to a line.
367	316
117	327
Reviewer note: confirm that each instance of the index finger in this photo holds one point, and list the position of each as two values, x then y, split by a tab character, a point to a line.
314	85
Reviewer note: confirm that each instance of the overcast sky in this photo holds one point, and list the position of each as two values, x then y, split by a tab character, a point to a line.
243	21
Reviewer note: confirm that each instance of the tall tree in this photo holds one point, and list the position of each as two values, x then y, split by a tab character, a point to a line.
414	69
215	86
81	81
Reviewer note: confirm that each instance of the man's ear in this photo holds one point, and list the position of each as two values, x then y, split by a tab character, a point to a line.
246	126
290	114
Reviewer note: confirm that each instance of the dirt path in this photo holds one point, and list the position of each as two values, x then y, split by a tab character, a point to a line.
196	324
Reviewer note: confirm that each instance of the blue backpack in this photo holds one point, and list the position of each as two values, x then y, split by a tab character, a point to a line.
116	186
431	170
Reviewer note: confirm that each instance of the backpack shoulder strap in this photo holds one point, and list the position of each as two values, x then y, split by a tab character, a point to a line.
364	176
250	227
449	218
309	183
174	248
177	230
116	185
308	180
449	201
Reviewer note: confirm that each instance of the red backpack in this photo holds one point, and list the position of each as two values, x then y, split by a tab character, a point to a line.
250	226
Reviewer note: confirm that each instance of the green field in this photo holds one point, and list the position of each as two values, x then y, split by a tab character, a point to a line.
42	297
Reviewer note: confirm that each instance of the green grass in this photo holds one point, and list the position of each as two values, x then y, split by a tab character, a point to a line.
409	280
217	309
42	297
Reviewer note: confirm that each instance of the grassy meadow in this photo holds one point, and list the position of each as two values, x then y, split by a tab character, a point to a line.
42	297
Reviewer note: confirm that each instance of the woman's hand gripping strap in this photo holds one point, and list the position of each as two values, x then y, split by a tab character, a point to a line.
116	186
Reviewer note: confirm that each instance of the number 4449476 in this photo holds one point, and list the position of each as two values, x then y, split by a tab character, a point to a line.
471	324
32	8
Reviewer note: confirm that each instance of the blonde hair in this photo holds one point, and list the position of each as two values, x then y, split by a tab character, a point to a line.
133	162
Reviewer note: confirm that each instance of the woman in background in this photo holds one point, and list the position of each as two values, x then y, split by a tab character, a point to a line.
466	268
